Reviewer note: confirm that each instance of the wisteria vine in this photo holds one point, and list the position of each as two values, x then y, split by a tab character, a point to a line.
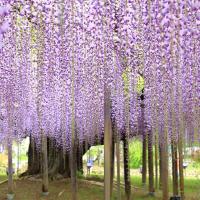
54	56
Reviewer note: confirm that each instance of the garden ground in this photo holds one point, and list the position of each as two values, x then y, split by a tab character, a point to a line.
87	190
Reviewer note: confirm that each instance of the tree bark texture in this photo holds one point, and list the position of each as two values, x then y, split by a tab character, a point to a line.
58	159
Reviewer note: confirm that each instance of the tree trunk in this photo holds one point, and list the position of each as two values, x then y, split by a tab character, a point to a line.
58	160
126	169
79	159
150	164
33	159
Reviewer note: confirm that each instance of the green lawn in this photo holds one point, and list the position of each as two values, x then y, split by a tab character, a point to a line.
192	188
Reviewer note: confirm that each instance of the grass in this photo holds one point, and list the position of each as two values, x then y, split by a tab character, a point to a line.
192	188
3	178
61	190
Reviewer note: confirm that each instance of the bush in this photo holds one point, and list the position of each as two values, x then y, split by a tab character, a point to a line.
135	153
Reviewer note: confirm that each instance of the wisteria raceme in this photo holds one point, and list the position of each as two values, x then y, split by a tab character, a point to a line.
57	56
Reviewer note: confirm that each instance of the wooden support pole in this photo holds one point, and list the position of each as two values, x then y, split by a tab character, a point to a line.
181	173
73	163
174	168
127	169
150	163
73	169
160	167
144	159
144	145
164	170
10	168
112	169
18	157
107	145
156	162
118	166
45	178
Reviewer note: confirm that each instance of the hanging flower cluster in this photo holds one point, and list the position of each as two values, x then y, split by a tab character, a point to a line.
4	24
58	56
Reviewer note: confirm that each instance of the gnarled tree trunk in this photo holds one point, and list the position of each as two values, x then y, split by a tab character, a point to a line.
58	159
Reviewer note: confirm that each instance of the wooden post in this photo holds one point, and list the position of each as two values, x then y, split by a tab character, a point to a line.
73	162
107	145
180	150
144	159
174	168
118	165
164	170
98	157
18	157
45	180
160	167
73	170
144	145
112	169
10	168
127	169
150	164
156	162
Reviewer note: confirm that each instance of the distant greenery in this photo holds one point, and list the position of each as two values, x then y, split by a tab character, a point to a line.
95	151
135	153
